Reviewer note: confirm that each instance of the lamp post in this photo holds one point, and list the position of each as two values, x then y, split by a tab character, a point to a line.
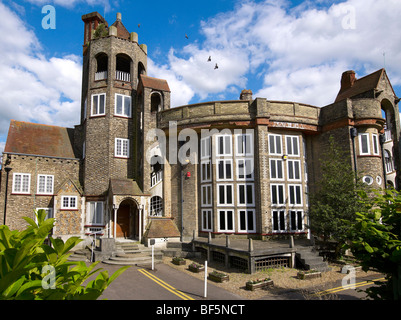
7	169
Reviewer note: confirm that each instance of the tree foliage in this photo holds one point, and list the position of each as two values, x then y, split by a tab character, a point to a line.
375	240
336	199
25	262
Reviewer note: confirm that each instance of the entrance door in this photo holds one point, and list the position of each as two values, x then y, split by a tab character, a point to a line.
123	221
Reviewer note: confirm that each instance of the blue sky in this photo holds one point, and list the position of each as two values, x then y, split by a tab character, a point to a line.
281	50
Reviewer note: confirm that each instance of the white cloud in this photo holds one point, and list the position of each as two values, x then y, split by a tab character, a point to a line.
35	88
297	53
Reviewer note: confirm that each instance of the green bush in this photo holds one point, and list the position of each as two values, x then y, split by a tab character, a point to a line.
25	262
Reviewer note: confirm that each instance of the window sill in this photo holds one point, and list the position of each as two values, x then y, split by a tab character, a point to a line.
97	116
69	209
119	157
21	194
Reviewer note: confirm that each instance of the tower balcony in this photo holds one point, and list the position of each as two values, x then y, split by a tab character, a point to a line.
101	75
123	76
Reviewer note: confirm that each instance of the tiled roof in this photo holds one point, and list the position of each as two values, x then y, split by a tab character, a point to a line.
361	85
154	83
122	32
162	228
125	187
39	139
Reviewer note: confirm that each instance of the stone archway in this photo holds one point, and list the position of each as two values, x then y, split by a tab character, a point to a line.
127	217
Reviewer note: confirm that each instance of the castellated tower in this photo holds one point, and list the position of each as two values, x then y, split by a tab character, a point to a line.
112	64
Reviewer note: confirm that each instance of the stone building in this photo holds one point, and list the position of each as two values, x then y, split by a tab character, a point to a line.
136	168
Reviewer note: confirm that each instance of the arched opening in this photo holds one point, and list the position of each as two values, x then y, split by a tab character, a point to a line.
156	174
102	61
123	67
127	225
389	161
156	206
155	102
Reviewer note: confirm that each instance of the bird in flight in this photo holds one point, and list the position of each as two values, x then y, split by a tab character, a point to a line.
186	36
216	67
210	59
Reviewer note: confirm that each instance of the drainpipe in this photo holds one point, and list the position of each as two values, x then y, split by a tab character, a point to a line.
8	169
354	133
382	140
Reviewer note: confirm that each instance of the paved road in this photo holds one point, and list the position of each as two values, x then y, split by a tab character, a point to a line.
163	283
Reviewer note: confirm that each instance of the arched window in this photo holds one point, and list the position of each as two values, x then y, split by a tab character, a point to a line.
102	65
156	206
389	162
123	67
155	102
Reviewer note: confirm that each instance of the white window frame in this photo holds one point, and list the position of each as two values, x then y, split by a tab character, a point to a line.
290	151
207	219
69	206
225	172
47	177
119	143
296	220
225	203
276	137
246	229
91	214
206	170
279	230
227	144
25	183
247	202
248	141
298	163
126	111
97	111
277	193
206	147
226	213
206	194
360	143
376	147
276	171
158	210
295	197
246	163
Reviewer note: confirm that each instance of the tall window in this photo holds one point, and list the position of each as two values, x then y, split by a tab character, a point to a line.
205	147
21	183
206	173
276	169
122	148
294	170
244	144
206	195
122	105
246	195
296	220
95	213
292	145
45	184
245	169
277	194
278	217
375	144
275	145
156	206
364	147
225	194
224	169
223	145
295	195
98	104
226	220
207	222
246	220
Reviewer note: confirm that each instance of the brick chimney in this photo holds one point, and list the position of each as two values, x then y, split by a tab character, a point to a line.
246	95
347	80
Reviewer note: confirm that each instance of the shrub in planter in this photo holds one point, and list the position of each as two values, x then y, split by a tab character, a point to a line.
259	284
196	267
218	276
308	274
179	261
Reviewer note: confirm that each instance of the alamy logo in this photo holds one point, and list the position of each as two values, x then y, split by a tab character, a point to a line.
49	280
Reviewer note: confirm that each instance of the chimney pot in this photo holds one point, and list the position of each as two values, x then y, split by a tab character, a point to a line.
118	16
246	95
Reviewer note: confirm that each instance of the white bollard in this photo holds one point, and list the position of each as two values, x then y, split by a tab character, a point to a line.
205	291
153	259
